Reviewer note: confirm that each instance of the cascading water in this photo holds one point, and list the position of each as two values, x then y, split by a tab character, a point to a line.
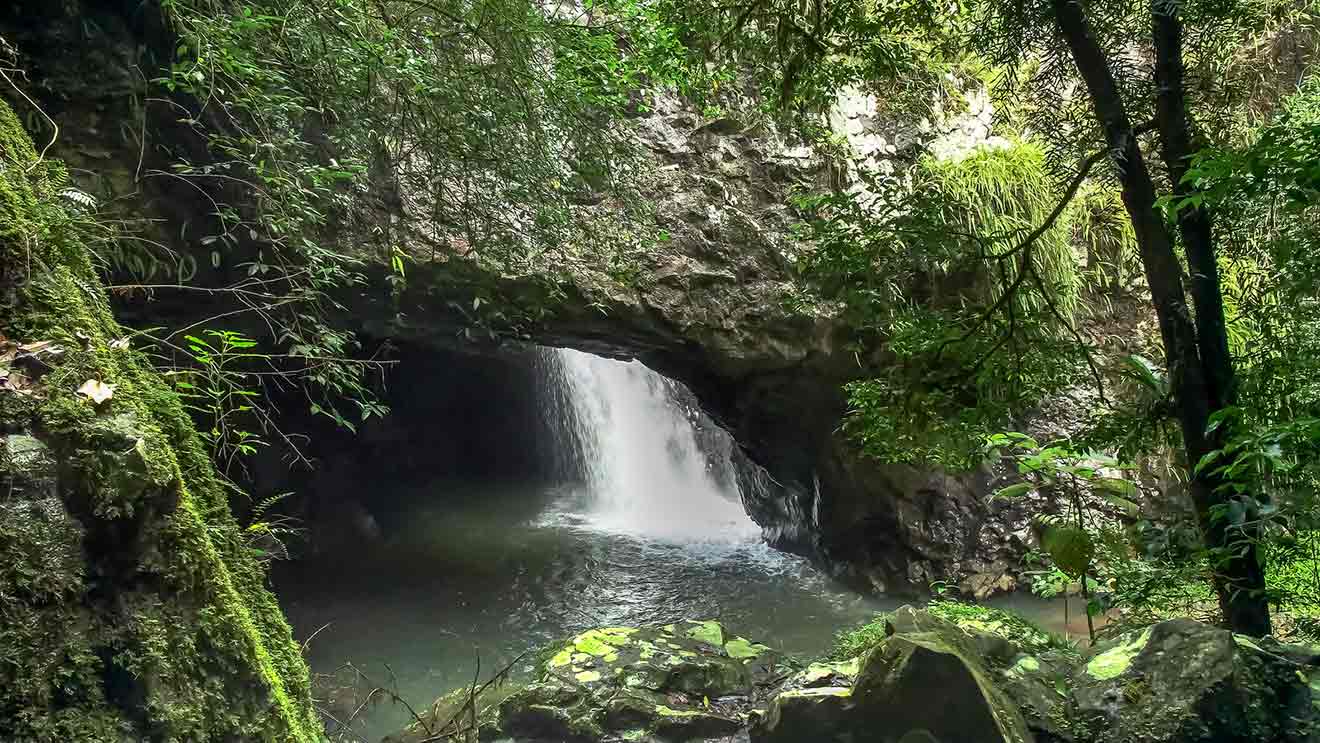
651	465
642	524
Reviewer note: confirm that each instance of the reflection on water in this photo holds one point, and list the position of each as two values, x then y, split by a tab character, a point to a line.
651	532
493	570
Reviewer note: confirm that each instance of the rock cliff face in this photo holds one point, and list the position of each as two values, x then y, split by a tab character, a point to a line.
131	605
708	299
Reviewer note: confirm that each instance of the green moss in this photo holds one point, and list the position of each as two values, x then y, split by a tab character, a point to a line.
1024	665
1247	642
856	641
561	658
602	642
187	643
742	648
1006	624
1113	662
662	710
816	672
1012	627
710	633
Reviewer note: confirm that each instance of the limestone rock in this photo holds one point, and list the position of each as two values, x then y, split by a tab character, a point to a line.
813	704
1187	682
900	682
822	713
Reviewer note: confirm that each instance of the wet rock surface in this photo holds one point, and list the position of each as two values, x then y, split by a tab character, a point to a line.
690	680
963	674
1186	681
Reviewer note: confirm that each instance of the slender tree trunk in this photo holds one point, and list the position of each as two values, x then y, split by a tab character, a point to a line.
1196	389
1242	580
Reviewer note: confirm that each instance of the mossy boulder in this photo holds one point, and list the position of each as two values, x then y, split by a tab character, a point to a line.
131	607
685	681
1188	682
952	673
813	704
935	660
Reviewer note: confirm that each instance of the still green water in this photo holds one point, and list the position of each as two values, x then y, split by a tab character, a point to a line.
466	574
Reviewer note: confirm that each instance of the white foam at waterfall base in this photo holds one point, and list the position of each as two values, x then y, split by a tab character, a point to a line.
638	453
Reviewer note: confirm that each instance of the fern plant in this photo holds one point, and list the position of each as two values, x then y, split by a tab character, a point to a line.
268	533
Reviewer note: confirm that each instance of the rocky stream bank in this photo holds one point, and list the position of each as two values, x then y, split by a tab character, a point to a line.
952	673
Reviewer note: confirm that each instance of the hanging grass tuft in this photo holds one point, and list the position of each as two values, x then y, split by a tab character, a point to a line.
989	201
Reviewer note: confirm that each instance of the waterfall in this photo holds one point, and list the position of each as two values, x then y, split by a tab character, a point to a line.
651	464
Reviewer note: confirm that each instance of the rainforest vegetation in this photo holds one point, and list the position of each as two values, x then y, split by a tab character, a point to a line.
1170	145
1100	214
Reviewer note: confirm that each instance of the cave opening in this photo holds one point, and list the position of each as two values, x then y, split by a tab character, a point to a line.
515	497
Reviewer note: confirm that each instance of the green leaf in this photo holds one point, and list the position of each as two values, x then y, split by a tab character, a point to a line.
1013	491
1129	507
1210	458
1116	485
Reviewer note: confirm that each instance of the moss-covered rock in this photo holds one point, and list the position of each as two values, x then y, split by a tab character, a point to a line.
1189	682
130	605
954	675
684	681
899	679
953	672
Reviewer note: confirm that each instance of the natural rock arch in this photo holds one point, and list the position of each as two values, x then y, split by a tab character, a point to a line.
714	305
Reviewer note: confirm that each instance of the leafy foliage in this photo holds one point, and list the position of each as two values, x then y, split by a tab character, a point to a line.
350	134
940	267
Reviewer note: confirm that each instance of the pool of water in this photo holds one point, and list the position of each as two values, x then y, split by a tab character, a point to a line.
650	529
482	572
487	571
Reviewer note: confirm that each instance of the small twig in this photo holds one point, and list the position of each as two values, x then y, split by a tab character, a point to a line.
394	681
142	141
54	136
312	636
499	677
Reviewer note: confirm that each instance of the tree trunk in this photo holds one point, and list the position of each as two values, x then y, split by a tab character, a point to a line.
1243	580
1197	393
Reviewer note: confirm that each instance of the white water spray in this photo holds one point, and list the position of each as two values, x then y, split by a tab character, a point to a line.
638	451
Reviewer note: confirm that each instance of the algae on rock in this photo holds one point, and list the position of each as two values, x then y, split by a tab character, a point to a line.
684	681
1180	681
130	606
